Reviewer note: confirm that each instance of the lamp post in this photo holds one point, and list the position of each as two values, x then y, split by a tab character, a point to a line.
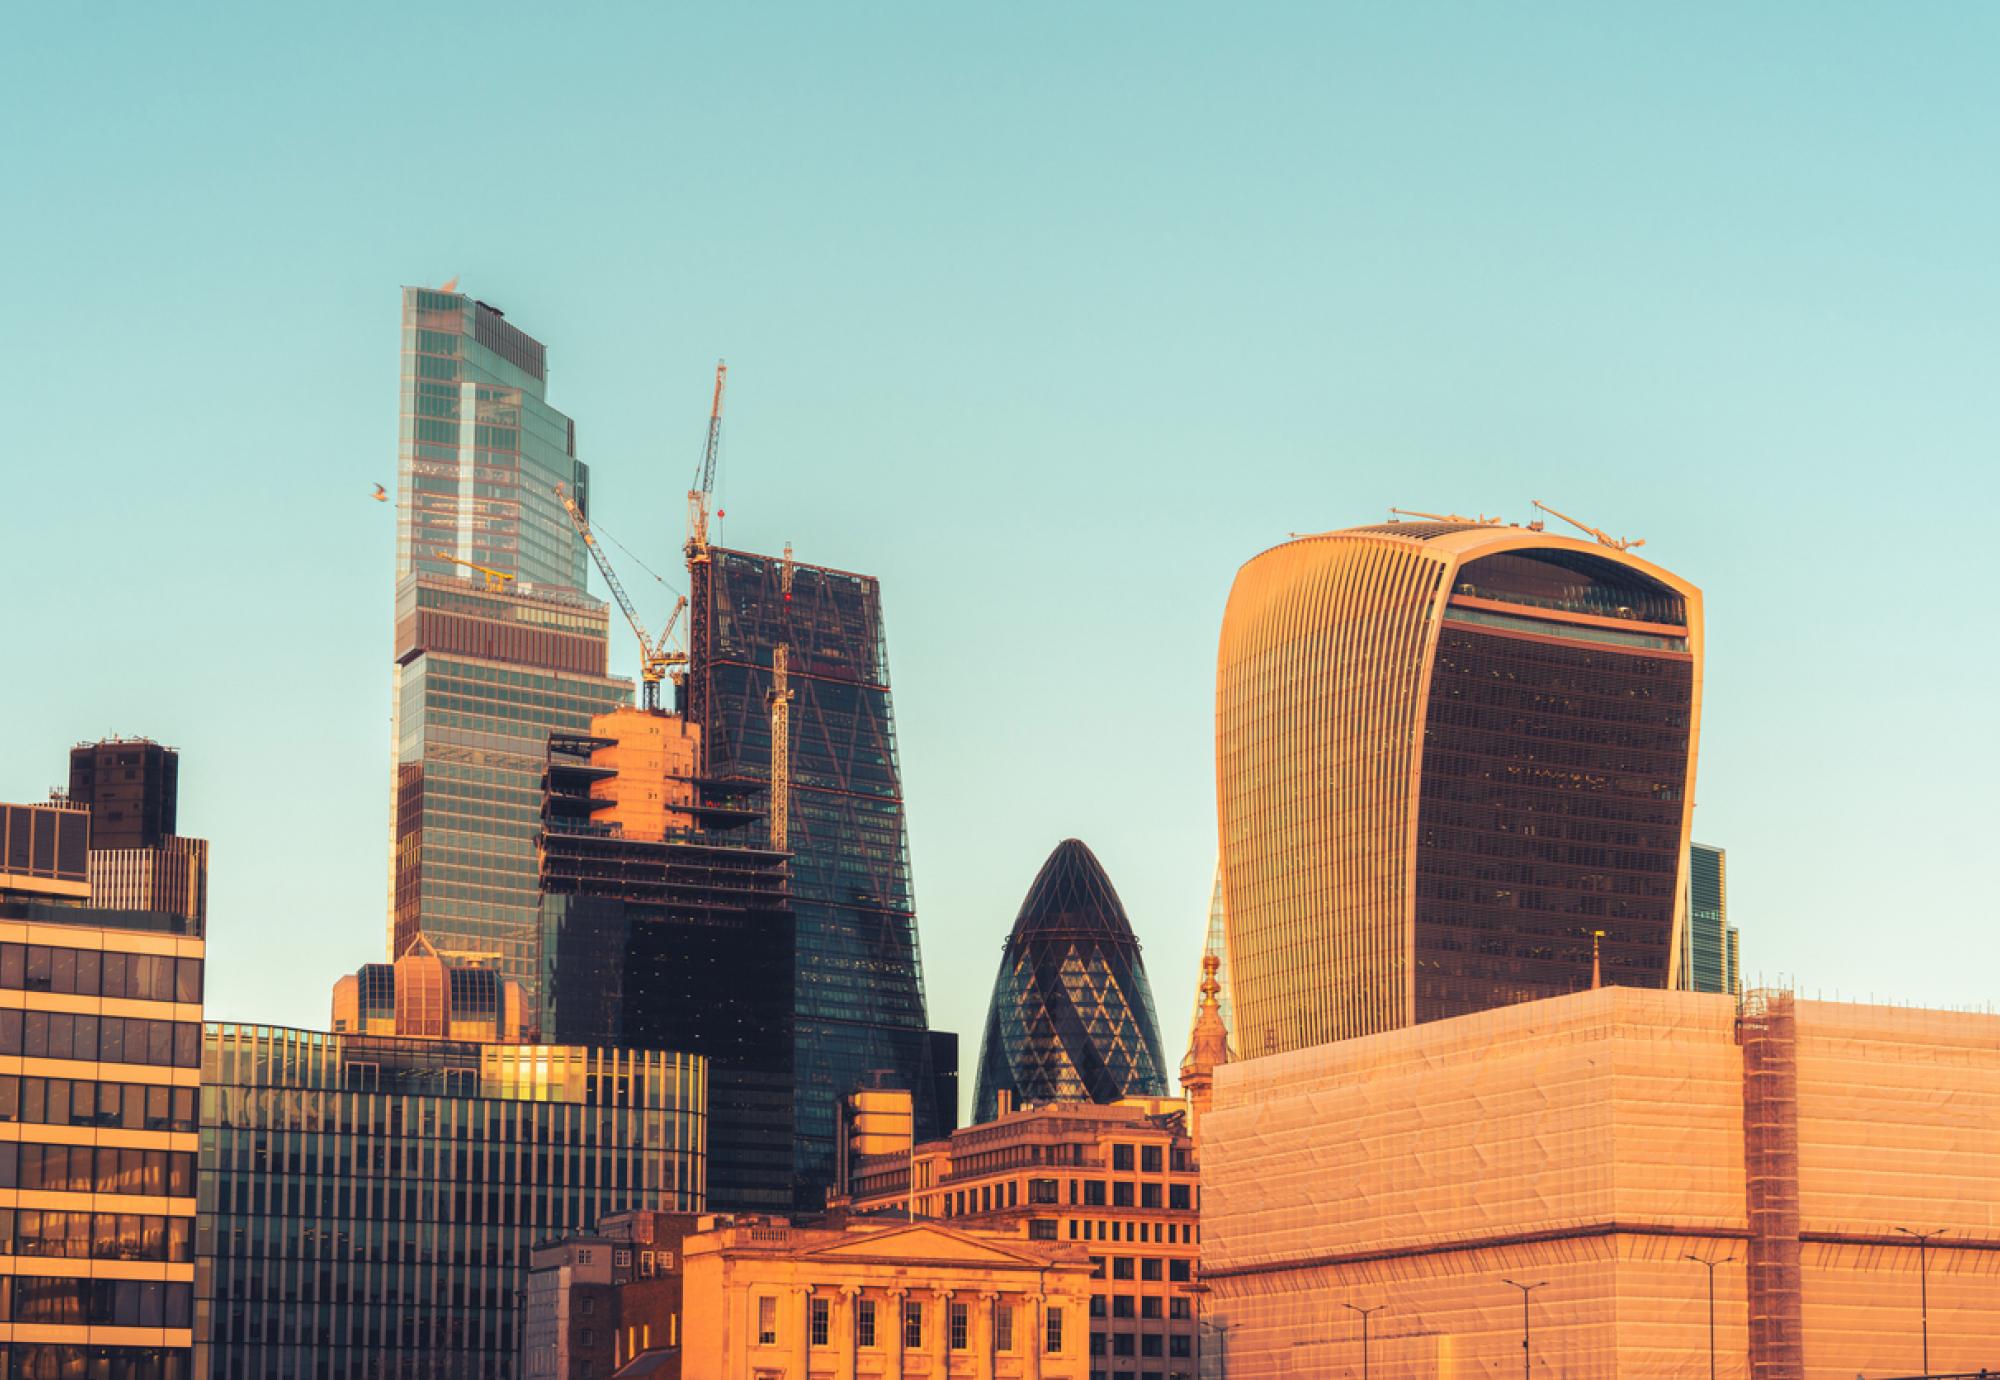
1711	1264
1526	1289
1923	1239
1364	1312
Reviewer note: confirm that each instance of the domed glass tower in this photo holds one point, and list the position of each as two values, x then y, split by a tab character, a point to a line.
1072	1015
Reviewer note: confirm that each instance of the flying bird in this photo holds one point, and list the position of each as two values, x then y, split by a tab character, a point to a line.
381	494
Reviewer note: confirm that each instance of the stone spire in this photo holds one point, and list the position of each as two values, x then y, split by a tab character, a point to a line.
1208	1050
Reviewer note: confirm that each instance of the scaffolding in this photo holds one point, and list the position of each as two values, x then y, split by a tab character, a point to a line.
1767	1030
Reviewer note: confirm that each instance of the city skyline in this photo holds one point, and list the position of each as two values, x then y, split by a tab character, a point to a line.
1650	329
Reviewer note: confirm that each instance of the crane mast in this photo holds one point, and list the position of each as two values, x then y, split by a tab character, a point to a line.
654	657
780	700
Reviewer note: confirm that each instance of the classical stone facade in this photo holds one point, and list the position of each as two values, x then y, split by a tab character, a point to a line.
765	1300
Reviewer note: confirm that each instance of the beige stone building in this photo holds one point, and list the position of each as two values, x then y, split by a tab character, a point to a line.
765	1300
1572	1168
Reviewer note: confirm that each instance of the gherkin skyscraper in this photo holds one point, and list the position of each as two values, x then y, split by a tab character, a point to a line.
1072	1014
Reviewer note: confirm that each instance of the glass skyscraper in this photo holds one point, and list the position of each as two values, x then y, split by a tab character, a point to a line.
496	642
1709	962
860	992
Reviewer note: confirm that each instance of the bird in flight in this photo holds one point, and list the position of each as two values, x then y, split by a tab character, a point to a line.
381	494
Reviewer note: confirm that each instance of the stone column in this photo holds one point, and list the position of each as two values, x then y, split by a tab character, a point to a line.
897	1298
982	1334
801	1365
848	1344
1034	1306
941	1347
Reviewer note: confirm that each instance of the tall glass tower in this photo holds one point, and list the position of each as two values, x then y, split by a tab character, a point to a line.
1709	955
496	643
860	991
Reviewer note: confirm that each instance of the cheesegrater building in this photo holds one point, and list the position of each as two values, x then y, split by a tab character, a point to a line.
859	1006
496	642
1451	757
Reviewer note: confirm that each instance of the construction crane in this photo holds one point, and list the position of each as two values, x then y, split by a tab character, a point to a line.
1603	538
780	701
655	660
1481	521
704	479
496	580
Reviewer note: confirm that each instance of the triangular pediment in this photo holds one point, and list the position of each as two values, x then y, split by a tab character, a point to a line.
927	1241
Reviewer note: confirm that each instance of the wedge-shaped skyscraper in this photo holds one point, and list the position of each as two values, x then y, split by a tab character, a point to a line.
1072	1014
1450	759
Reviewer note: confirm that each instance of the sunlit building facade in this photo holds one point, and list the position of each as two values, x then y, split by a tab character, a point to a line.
496	641
131	786
100	1027
369	1203
859	980
1071	1017
1449	757
1597	1148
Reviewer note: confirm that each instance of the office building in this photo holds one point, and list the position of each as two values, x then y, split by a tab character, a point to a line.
1596	1148
1451	758
100	1025
1122	1181
1071	1017
860	993
769	1301
131	786
496	642
599	1300
1215	945
428	995
369	1202
665	925
1709	959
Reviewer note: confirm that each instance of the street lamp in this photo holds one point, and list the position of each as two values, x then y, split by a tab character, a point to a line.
1364	1312
1711	1264
1923	1239
1526	1289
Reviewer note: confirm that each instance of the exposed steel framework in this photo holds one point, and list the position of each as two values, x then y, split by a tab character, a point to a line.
1446	754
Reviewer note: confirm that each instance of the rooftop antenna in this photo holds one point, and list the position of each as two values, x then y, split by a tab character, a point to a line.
1481	521
1603	538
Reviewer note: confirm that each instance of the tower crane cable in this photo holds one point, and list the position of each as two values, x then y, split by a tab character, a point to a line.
654	658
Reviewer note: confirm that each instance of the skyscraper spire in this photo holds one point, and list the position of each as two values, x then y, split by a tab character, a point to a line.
1208	1050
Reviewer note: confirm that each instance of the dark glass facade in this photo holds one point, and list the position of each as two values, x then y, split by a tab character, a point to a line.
682	942
368	1204
859	983
131	788
1709	963
1072	1013
1555	761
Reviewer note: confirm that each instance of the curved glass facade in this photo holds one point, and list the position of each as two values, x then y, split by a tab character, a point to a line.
1447	757
1072	1014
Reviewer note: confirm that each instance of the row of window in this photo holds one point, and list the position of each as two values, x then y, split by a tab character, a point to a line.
97	973
79	1102
69	1361
1082	1193
95	1235
1145	1306
111	1039
66	1300
96	1169
1149	1267
958	1325
1179	1344
1098	1229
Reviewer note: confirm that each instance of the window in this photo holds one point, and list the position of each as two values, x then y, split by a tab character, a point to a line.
1149	1195
1179	1271
864	1322
1042	1229
1121	1195
586	1337
767	1321
1149	1268
1041	1191
1121	1344
913	1324
1149	1306
1096	1261
1179	1345
1178	1197
1149	1344
1097	1305
960	1327
1121	1267
1093	1189
1003	1326
820	1325
1053	1343
1121	1157
1177	1307
586	1305
1149	1159
1121	1306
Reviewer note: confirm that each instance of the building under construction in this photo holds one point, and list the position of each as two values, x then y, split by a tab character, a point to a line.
859	982
665	925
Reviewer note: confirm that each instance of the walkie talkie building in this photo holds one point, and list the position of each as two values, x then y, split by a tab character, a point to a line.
1449	756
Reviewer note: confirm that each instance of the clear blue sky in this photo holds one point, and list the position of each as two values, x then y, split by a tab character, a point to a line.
1050	316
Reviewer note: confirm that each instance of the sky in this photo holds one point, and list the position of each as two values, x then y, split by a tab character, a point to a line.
1050	317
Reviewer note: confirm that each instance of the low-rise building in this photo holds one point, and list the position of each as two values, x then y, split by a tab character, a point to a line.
1122	1181
1574	1176
766	1300
596	1300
